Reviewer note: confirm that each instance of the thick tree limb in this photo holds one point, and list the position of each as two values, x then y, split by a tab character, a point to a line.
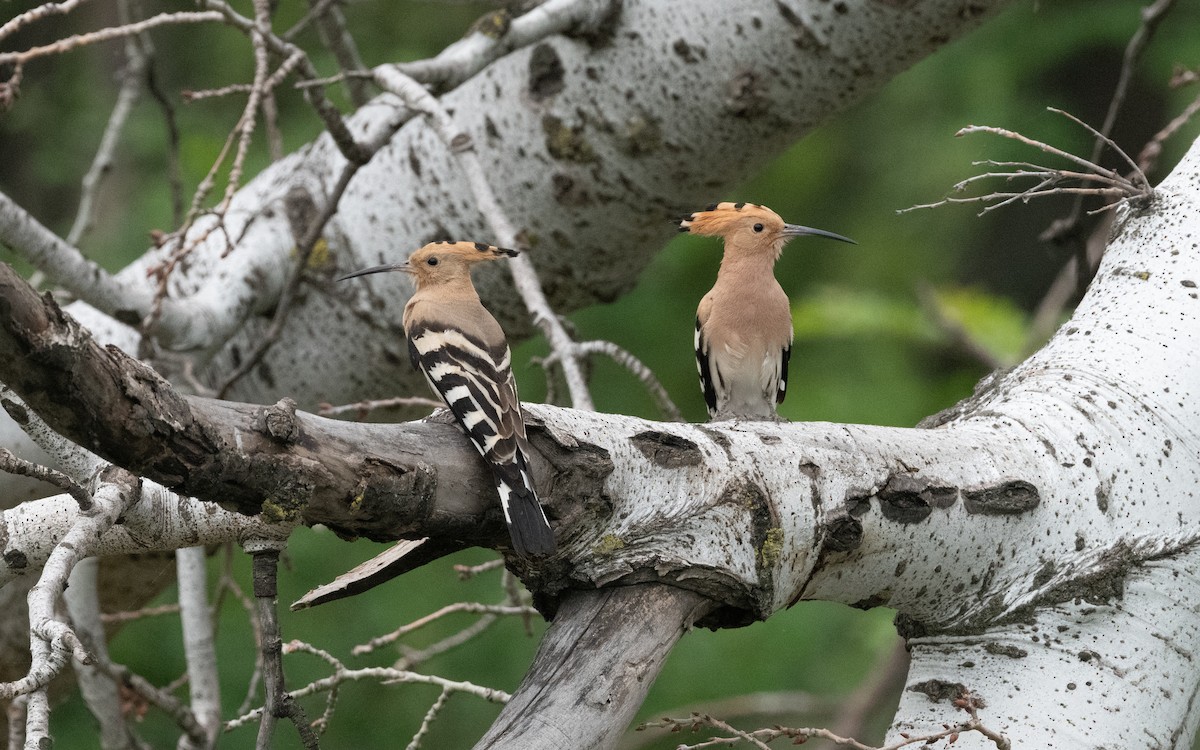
594	667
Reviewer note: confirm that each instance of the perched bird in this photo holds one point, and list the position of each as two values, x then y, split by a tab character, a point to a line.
462	351
744	323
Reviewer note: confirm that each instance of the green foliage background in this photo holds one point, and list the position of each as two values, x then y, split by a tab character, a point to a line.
865	351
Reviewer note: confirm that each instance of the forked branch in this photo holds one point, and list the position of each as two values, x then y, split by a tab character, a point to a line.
1088	179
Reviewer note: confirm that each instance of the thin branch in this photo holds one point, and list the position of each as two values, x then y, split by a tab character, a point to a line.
1151	16
497	34
1153	149
36	14
637	368
279	703
1094	180
104	35
116	618
102	163
427	722
306	241
14	465
331	29
199	643
363	408
471	607
52	642
414	657
383	675
66	265
99	692
175	709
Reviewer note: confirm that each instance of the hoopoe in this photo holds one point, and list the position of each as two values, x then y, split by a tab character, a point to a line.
461	349
744	323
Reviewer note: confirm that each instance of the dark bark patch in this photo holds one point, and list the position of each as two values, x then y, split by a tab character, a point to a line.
878	599
909	499
493	25
909	627
746	96
841	534
939	690
546	73
1102	493
16	559
667	450
566	143
372	503
788	14
765	534
1003	649
687	52
568	191
640	135
1007	499
15	410
1044	575
720	439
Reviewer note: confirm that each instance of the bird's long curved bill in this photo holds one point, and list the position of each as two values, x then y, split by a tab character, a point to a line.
795	230
376	269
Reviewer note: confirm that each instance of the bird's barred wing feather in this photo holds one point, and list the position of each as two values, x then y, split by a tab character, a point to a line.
781	394
475	382
703	363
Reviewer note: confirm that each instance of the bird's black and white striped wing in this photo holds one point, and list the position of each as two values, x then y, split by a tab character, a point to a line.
476	383
708	374
781	392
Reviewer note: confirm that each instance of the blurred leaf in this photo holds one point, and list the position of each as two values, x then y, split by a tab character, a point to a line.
991	321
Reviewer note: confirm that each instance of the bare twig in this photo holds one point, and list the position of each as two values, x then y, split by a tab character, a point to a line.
1093	180
636	367
363	408
331	28
467	572
36	14
114	618
14	465
1148	157
102	163
174	708
113	32
761	737
279	703
426	722
384	675
471	607
52	641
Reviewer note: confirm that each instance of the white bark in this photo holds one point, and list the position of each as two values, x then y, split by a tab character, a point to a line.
199	644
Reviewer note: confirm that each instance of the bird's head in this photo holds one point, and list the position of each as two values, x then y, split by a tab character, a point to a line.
441	262
748	226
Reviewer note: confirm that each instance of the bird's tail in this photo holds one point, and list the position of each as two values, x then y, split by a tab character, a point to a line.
527	525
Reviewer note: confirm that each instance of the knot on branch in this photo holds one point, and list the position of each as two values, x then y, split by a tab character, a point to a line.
278	421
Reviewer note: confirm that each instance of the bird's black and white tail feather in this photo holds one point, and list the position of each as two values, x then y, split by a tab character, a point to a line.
477	385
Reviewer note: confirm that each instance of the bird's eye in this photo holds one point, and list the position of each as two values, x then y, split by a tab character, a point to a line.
758	227
432	261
